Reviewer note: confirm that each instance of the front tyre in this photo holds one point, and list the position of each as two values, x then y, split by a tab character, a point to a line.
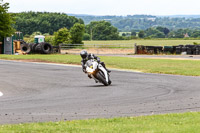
109	82
102	78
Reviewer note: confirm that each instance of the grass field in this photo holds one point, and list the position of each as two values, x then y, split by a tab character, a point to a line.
168	123
152	42
165	66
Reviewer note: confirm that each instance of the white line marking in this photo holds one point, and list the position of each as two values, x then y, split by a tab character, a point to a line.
71	65
1	94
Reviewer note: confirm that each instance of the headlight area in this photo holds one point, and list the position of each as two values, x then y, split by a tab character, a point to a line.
91	66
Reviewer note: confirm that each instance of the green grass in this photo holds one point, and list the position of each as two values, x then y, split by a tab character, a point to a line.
152	42
56	58
165	66
168	123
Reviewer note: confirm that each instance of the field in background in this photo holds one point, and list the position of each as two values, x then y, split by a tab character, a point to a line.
146	42
168	123
152	42
122	46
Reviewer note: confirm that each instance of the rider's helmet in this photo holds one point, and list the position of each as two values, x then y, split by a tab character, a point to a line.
84	54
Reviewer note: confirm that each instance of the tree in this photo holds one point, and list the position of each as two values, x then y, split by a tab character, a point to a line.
86	36
154	33
102	30
77	32
123	34
133	33
196	34
166	31
141	34
163	29
159	35
62	36
151	32
45	22
6	21
180	33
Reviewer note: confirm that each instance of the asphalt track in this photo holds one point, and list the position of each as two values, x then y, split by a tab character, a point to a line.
34	92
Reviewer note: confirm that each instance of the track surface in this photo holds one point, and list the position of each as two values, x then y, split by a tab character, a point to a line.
44	92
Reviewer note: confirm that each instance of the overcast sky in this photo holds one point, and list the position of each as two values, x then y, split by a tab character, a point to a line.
109	7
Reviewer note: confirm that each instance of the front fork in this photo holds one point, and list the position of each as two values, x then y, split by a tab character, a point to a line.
105	72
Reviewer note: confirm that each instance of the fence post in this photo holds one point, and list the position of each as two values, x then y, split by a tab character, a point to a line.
135	48
59	48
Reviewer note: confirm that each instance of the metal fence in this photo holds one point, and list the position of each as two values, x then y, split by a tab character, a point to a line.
99	48
130	49
70	46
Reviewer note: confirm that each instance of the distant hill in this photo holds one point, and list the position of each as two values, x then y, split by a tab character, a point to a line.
183	16
142	22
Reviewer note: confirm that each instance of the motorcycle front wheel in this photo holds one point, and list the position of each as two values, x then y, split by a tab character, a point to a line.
100	76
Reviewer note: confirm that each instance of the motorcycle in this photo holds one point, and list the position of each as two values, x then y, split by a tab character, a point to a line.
96	71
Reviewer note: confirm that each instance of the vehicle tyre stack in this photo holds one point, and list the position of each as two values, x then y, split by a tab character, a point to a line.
42	48
158	49
26	48
33	47
183	50
174	49
38	49
46	48
150	49
168	49
189	49
198	50
178	50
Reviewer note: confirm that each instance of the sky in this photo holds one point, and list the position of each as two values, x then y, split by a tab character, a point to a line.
109	7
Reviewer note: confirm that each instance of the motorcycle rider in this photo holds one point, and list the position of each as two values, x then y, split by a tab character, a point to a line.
85	57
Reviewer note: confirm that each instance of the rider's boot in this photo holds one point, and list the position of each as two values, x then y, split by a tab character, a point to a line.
90	76
109	71
103	64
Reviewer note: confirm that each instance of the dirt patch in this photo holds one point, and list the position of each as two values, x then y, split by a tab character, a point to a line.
100	51
33	60
39	61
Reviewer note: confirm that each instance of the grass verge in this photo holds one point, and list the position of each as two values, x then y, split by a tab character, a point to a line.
168	123
165	66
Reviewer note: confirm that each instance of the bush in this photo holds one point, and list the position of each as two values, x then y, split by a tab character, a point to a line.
77	32
50	40
195	43
62	36
86	36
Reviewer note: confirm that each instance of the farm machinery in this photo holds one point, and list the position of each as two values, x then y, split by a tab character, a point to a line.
38	47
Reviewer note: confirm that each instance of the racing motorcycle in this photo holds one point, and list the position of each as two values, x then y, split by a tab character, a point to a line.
96	71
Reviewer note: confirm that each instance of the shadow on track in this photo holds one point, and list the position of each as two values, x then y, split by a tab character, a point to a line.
99	86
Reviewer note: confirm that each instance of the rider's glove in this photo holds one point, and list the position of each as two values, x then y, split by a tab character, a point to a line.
84	71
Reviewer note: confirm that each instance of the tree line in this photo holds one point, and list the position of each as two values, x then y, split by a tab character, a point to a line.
105	28
70	29
44	22
6	21
163	32
143	22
